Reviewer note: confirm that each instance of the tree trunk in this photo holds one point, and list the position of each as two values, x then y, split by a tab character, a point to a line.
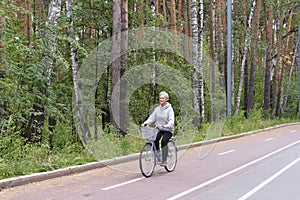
200	60
246	81
165	14
220	42
141	19
212	37
124	48
245	52
253	56
36	122
116	61
224	25
173	16
298	47
290	75
278	64
195	49
269	38
53	14
186	30
157	6
179	17
212	28
80	109
279	105
27	21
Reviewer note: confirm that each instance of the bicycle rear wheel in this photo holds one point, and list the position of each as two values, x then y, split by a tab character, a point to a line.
147	160
172	156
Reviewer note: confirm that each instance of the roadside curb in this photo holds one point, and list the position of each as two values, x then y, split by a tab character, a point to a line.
36	177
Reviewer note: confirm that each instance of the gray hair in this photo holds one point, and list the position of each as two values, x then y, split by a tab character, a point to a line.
163	93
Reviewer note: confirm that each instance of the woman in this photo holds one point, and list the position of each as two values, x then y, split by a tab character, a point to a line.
162	116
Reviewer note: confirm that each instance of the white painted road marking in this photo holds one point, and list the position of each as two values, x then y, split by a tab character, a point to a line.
122	184
230	172
293	131
269	139
226	152
260	186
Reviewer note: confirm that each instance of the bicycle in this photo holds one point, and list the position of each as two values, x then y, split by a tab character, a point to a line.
149	156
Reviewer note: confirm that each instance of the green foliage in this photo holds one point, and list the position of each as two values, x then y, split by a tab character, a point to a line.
19	158
257	120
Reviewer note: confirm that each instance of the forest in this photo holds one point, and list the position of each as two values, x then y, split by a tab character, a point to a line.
78	77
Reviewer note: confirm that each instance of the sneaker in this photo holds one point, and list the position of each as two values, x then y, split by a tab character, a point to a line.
163	163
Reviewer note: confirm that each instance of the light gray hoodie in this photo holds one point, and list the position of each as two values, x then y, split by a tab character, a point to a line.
162	116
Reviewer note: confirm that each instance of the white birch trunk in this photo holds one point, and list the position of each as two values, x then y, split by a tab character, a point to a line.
194	21
53	14
54	11
153	68
79	106
290	76
244	57
200	59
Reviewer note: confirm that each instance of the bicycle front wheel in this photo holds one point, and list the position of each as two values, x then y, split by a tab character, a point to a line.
172	156
147	160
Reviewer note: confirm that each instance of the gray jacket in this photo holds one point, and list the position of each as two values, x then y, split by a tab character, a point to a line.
162	116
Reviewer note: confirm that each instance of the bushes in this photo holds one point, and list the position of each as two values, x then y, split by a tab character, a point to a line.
19	157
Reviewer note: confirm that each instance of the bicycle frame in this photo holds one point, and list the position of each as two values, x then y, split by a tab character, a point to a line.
153	149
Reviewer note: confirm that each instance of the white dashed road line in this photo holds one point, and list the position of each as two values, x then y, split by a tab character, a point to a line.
269	139
267	181
226	152
122	184
230	172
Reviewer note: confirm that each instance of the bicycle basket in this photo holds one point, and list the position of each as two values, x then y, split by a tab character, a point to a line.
149	133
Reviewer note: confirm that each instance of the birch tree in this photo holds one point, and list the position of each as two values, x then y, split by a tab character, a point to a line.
246	43
195	43
200	59
37	118
79	107
197	56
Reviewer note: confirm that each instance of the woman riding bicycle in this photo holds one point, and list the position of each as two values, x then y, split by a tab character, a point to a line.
162	116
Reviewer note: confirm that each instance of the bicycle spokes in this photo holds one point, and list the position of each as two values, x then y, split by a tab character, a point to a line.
147	160
172	156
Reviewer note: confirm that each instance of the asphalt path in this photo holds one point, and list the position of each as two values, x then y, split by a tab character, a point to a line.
262	166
